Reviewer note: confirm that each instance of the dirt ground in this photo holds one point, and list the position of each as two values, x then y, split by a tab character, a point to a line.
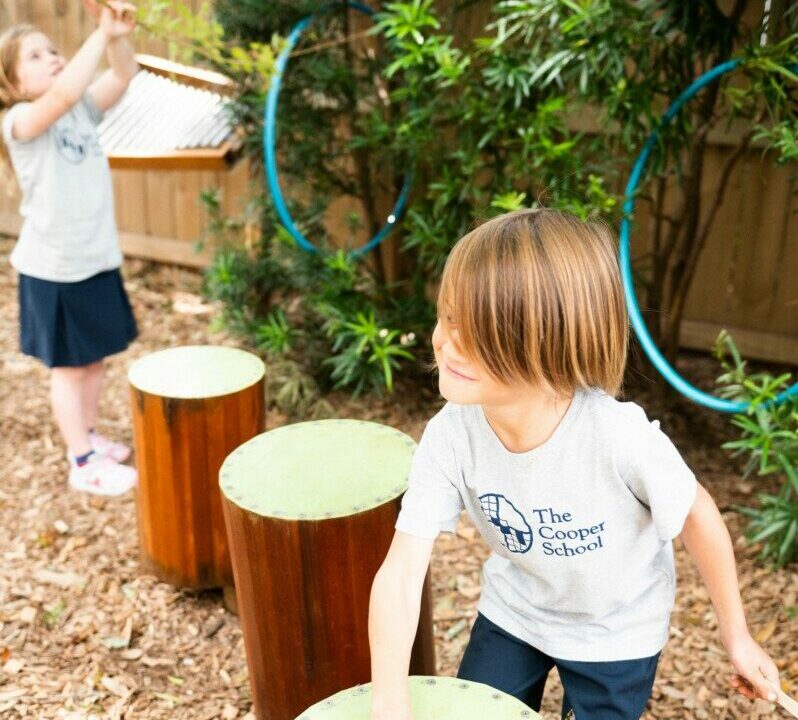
83	633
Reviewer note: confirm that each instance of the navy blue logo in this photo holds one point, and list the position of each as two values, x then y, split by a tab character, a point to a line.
510	524
73	146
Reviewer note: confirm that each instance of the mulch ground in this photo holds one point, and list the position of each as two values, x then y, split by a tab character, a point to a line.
84	633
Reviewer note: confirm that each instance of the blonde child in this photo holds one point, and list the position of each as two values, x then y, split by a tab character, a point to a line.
577	494
73	308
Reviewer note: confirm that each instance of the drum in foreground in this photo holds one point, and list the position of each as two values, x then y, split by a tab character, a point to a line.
310	511
432	698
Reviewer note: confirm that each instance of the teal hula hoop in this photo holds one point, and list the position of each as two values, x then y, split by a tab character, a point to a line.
269	136
639	325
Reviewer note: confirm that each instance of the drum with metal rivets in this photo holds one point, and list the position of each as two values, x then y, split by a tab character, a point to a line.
310	511
192	406
441	698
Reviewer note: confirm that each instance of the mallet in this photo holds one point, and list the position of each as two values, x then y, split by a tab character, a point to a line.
783	699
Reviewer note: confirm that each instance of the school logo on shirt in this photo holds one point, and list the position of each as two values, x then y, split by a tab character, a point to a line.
510	524
72	145
560	534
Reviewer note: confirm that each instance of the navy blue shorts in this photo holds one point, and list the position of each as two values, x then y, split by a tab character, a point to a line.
72	324
617	690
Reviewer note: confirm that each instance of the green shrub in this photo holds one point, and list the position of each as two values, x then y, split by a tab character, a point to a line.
769	438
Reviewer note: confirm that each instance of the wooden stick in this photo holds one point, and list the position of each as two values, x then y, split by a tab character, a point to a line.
790	705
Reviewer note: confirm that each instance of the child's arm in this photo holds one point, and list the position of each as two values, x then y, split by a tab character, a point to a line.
111	85
393	621
72	82
707	540
36	117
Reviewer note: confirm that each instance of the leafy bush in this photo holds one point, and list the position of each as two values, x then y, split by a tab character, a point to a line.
496	116
769	437
316	311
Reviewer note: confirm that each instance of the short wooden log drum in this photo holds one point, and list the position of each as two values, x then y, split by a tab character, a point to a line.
192	406
432	698
310	511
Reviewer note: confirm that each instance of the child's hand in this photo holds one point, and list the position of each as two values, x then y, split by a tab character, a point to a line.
400	713
391	707
114	18
757	675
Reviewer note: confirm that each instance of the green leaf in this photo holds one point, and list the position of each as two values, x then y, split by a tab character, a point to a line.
771	529
787	546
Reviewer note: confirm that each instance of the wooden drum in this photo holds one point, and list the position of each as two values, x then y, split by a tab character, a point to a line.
441	698
310	511
192	406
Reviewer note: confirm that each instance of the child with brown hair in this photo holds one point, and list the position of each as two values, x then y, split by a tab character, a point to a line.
578	494
73	308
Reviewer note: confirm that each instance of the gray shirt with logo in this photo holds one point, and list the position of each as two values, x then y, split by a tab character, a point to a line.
69	231
580	527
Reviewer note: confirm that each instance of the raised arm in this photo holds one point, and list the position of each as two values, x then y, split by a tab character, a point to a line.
393	620
36	117
111	85
115	21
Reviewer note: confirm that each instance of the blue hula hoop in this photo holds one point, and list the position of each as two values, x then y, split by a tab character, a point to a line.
639	325
269	133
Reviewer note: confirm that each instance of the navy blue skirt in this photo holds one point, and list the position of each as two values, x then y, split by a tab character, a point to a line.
72	324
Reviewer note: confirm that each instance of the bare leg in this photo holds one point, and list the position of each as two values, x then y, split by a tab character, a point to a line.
91	393
66	396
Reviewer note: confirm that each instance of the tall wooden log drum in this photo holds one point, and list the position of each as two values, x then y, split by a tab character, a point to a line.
192	406
440	698
310	511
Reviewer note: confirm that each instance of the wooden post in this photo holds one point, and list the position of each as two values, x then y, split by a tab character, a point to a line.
191	407
433	698
310	511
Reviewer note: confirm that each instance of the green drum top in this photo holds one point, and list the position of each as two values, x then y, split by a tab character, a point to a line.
196	371
318	470
438	698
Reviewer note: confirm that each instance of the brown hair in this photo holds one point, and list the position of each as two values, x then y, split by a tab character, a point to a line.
536	297
10	42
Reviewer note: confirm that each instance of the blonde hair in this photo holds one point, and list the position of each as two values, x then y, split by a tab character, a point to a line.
10	42
536	298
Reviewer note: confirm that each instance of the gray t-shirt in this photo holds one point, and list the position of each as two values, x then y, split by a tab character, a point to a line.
69	232
580	526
